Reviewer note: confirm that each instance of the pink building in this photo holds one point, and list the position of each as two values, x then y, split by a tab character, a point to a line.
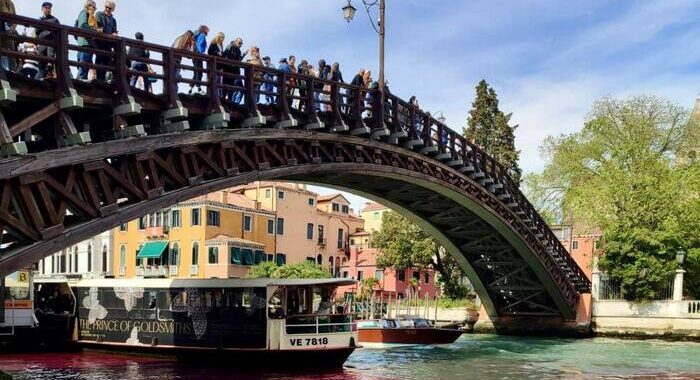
392	283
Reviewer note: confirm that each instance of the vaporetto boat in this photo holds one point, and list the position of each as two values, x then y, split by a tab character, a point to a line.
270	322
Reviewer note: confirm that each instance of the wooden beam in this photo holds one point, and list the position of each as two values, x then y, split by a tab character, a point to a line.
34	119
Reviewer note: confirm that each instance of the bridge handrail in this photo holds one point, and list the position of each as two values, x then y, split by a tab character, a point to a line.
353	100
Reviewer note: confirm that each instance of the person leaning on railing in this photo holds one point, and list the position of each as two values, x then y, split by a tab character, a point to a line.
139	52
87	21
108	25
7	63
184	42
200	46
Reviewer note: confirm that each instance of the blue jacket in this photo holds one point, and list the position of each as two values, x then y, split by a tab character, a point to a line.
200	42
284	67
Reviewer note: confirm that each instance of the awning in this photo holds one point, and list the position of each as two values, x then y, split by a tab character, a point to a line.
152	250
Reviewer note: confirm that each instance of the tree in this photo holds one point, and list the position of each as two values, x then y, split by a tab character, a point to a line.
303	269
488	128
622	174
367	286
404	245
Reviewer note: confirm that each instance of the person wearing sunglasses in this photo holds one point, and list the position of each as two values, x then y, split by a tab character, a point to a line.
108	23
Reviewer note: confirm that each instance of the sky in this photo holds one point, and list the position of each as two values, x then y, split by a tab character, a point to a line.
548	60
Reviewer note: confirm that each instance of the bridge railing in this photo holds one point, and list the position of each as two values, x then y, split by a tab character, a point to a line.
291	96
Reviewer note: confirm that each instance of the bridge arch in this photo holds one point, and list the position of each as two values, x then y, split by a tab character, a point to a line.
59	185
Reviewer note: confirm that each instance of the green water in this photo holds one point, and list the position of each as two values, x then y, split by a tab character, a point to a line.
500	357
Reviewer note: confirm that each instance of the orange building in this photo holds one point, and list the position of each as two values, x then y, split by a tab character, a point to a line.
582	247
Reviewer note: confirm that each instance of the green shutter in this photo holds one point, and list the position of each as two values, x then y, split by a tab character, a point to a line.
259	256
235	255
281	259
247	257
152	250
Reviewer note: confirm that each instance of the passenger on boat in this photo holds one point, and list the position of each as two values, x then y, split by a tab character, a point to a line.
325	306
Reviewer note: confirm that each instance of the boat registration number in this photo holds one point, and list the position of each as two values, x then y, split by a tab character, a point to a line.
299	342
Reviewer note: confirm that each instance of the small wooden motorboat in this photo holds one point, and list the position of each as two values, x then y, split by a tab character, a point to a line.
403	330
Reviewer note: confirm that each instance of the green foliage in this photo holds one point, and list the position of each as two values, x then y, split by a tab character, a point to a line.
263	270
623	173
404	245
546	196
447	303
303	269
367	286
488	127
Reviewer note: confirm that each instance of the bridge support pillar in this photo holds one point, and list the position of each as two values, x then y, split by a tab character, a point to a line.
378	133
71	102
289	123
7	94
217	120
13	149
342	127
122	130
174	120
258	120
80	138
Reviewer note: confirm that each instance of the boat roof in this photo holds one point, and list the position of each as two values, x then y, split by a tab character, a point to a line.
209	283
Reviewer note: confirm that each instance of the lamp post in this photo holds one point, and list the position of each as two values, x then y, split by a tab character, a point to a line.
349	13
678	280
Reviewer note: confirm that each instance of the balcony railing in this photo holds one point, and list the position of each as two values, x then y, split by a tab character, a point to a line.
194	270
174	270
322	241
157	271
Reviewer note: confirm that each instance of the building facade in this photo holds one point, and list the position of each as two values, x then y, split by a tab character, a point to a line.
308	226
219	235
582	247
91	258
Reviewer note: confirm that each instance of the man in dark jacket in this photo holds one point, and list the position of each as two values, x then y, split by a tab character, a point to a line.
139	52
108	23
358	81
323	72
47	35
233	52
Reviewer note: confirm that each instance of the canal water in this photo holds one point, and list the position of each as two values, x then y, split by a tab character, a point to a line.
471	357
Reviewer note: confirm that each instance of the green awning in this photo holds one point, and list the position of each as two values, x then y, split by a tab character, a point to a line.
247	257
152	250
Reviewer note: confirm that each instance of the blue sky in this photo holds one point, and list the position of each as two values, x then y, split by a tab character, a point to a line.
548	60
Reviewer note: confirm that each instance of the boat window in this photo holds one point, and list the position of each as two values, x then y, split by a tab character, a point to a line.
274	305
421	323
388	324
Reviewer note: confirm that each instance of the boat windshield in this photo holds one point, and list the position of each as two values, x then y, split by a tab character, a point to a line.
312	309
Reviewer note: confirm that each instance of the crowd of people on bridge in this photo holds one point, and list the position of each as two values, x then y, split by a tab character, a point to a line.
95	66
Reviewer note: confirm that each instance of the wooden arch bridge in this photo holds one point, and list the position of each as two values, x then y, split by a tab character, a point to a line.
79	158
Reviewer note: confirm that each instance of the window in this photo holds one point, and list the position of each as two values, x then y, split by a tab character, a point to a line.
280	194
270	257
194	217
310	231
336	207
123	227
89	258
247	256
320	232
346	209
235	256
575	245
104	258
280	226
260	256
319	259
311	202
152	220
142	223
270	227
159	219
122	257
416	275
360	275
213	218
247	223
341	238
352	241
268	193
195	253
402	275
176	222
426	277
175	255
281	259
345	274
166	219
136	254
376	215
378	274
311	259
213	255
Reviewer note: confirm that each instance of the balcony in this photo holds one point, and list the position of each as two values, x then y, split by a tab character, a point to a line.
322	241
194	270
157	232
152	271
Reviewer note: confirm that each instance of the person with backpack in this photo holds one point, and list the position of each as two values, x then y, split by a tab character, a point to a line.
87	21
200	47
108	24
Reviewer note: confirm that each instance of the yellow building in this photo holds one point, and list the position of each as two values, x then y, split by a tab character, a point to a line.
308	226
372	215
219	235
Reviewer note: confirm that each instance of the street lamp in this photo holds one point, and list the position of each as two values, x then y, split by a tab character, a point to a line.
680	256
349	14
